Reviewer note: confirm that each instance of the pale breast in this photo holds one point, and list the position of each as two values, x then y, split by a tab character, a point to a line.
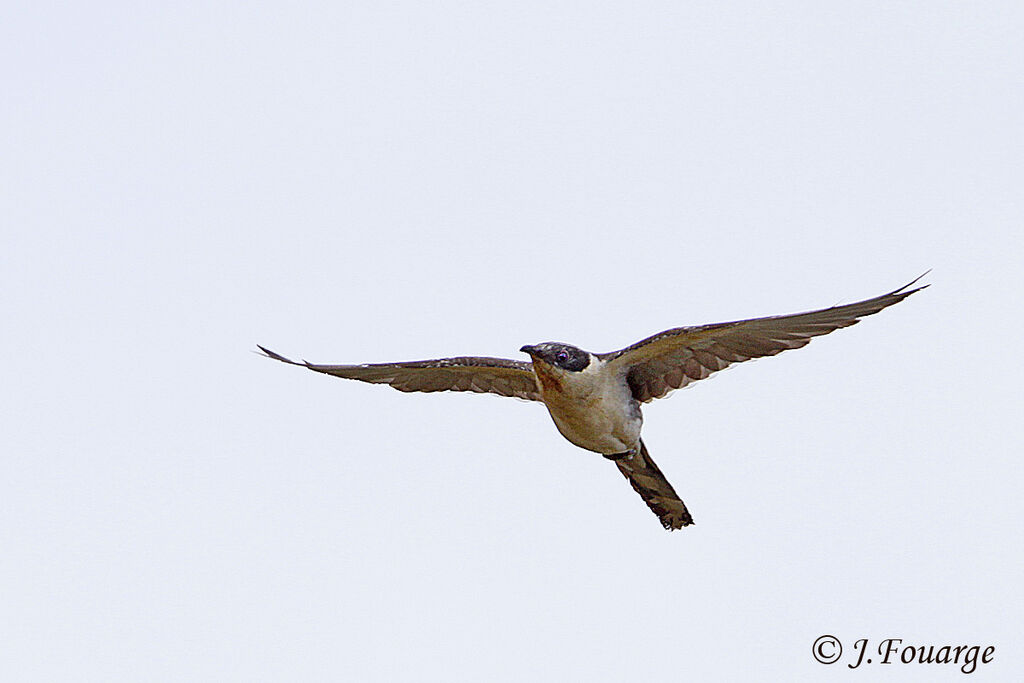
590	411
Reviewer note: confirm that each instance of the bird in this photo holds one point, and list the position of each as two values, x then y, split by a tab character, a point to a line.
595	399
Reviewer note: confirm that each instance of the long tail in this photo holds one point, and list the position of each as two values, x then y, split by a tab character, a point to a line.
647	480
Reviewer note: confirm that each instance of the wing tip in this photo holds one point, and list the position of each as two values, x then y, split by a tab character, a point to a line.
276	356
905	289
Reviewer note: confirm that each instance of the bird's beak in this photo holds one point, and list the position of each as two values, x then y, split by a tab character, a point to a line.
529	349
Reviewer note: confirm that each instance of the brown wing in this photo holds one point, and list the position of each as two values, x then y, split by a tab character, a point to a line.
653	487
482	375
674	358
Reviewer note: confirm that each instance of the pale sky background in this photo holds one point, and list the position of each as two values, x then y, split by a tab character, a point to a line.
360	182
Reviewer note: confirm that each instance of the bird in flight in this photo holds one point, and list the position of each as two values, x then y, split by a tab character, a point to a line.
594	398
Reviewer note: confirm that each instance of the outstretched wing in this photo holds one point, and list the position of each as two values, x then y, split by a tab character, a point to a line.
482	375
653	487
674	358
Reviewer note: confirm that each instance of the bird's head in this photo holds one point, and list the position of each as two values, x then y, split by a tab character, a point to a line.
564	356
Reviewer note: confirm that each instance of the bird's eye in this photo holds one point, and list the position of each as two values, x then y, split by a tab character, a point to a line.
562	356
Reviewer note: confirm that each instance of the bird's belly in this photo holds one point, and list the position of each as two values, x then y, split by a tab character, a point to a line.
602	423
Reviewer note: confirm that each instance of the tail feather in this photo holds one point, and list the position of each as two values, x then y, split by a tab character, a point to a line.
647	480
